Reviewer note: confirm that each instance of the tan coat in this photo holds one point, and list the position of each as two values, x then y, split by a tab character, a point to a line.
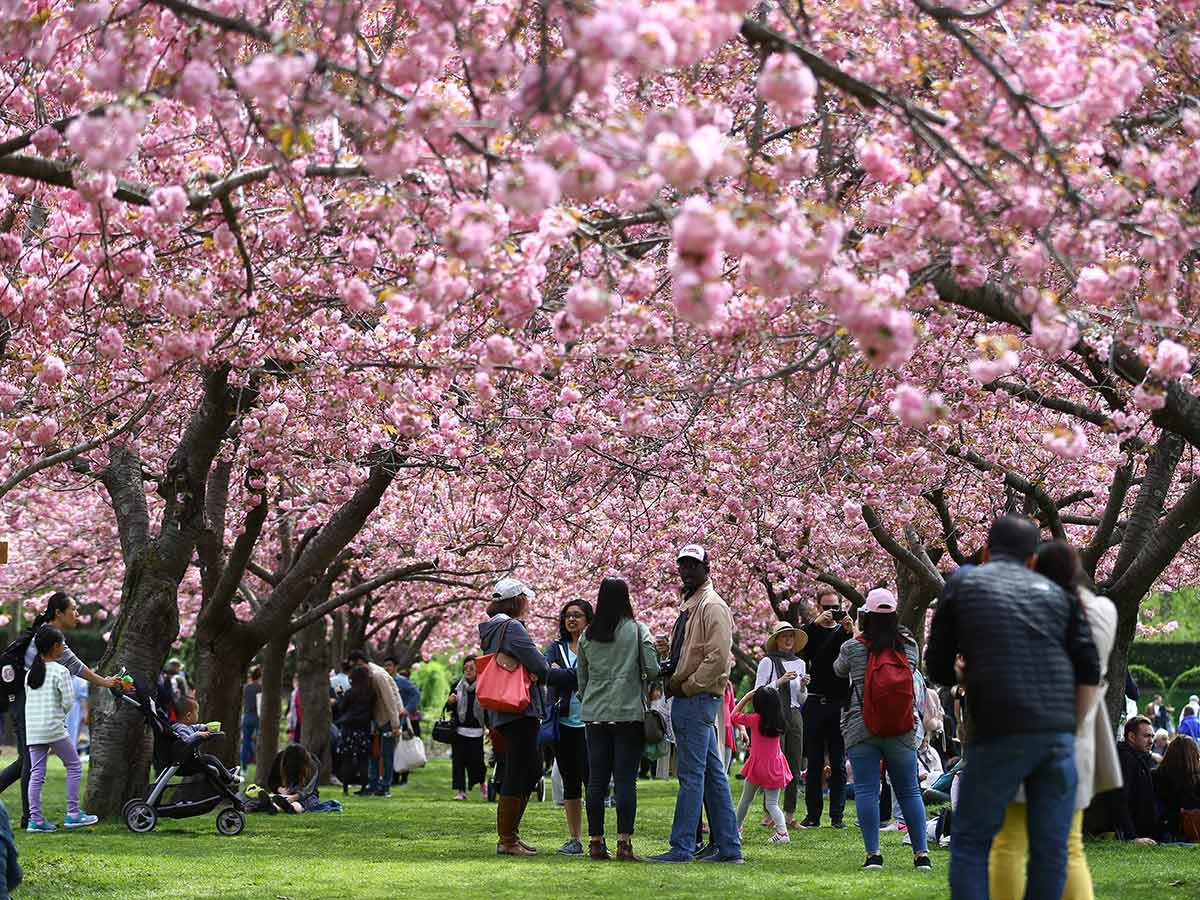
387	697
703	666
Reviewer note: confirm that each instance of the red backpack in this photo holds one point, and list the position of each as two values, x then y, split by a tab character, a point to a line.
888	697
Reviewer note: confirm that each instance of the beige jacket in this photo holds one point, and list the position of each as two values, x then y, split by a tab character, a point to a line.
387	697
703	666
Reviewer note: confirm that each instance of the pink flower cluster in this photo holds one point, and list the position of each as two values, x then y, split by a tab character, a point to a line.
105	142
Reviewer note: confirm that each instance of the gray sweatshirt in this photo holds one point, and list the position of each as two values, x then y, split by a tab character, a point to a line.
852	662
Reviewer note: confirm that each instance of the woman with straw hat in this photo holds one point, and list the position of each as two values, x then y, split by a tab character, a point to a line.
783	647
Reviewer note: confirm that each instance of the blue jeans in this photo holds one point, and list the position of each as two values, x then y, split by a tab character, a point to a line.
387	752
701	778
996	767
901	762
249	732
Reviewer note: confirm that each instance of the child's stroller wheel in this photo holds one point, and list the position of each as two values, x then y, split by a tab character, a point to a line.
140	816
129	803
541	790
230	822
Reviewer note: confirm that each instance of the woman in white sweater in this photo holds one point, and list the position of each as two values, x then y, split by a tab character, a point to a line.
1058	562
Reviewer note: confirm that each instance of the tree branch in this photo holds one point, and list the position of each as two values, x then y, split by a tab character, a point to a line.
359	590
1091	555
1034	492
895	549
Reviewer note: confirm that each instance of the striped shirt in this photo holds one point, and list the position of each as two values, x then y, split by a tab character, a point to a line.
46	707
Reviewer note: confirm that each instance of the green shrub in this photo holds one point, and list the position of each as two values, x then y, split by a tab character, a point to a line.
1186	684
1148	681
432	679
1167	659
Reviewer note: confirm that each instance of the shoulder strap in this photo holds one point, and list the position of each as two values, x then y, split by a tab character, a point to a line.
777	665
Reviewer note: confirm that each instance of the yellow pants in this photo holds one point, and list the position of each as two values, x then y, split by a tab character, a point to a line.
1006	868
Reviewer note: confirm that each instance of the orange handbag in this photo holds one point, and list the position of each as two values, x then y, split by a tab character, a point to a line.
503	683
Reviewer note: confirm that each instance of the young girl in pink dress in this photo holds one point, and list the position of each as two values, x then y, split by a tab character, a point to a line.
766	768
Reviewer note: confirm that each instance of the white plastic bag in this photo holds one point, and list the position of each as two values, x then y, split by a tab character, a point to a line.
410	754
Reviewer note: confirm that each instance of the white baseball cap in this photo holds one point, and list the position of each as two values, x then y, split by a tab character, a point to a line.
880	600
507	588
692	551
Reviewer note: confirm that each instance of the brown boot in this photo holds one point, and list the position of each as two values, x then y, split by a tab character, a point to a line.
625	851
508	816
516	829
597	849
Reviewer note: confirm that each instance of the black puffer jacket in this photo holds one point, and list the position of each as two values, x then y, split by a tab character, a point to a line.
1026	644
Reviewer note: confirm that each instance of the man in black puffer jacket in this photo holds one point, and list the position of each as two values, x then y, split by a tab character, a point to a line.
1026	649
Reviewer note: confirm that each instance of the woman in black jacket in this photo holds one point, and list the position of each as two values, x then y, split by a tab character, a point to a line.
352	714
1177	785
570	750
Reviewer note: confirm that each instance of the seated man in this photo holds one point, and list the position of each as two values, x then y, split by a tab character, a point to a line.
1135	813
190	733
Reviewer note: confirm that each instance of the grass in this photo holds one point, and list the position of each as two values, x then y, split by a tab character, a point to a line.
421	844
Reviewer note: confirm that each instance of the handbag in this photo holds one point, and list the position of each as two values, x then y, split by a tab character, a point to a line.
1107	773
654	729
502	684
409	754
445	730
1189	825
548	731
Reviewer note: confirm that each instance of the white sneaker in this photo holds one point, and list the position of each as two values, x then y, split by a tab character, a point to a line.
779	837
944	842
891	826
907	840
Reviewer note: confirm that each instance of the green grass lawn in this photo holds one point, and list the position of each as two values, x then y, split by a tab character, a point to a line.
420	844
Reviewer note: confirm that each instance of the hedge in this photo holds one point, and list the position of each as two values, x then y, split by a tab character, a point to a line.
1148	681
1184	686
1169	660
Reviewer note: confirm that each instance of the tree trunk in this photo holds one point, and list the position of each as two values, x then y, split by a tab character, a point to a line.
221	667
141	638
1118	663
312	668
337	639
272	695
915	596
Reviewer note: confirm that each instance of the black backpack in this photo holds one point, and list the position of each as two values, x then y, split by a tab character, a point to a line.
12	671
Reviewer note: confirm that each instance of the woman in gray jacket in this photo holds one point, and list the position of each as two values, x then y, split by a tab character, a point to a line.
616	664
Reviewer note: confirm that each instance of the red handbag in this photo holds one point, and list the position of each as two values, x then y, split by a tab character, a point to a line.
503	683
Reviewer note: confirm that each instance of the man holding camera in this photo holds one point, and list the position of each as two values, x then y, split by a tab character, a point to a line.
827	694
695	672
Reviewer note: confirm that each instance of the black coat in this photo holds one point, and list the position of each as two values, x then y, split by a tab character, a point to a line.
1136	812
1173	795
1027	646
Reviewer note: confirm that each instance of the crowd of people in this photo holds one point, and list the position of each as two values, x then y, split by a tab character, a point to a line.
1010	737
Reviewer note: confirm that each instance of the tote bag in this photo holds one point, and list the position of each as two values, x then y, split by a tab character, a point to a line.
410	754
503	683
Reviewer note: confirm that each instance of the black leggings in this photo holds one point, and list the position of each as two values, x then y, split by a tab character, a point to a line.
572	755
467	763
522	761
19	768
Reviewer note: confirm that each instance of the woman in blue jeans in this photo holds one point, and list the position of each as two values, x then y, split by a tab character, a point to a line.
878	630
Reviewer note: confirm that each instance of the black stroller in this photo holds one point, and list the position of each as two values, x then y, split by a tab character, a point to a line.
198	796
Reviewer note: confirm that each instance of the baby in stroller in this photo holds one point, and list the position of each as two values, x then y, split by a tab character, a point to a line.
193	735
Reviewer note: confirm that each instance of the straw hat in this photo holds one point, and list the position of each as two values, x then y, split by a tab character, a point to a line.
784	628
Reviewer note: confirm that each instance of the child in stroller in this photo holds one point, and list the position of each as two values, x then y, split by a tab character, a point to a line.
193	735
208	784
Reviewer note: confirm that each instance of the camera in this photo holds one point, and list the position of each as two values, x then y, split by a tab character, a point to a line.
838	614
666	669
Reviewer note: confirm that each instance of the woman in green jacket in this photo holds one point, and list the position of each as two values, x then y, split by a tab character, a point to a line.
616	664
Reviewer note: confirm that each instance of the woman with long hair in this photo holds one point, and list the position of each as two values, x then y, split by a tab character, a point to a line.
617	662
570	751
1177	784
61	613
879	634
353	714
1057	561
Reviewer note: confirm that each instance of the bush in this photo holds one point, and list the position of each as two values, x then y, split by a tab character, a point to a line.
1148	681
1168	659
432	679
1186	684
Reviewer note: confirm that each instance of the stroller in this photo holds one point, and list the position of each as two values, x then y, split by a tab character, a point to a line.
196	797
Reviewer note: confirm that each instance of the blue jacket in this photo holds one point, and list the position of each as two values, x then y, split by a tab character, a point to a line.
410	694
1191	727
556	653
516	642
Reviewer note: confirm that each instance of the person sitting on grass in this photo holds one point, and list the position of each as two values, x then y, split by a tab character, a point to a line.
767	768
192	735
1177	787
49	695
293	780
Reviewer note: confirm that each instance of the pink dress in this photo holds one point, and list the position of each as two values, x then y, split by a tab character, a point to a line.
766	766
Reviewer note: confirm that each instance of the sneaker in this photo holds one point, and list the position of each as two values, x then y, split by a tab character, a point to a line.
922	863
874	861
779	837
732	860
890	826
382	792
792	823
461	795
907	840
80	820
944	842
365	792
35	826
706	850
573	847
669	857
839	824
768	822
902	828
809	823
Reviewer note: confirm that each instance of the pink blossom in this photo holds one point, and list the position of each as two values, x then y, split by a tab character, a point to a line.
53	371
1055	335
685	163
697	301
589	303
45	431
1171	361
1094	285
587	176
698	229
656	47
569	395
10	247
500	349
197	84
46	140
363	253
567	329
531	188
105	142
110	343
788	83
169	204
1069	443
1149	397
910	405
357	296
879	162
